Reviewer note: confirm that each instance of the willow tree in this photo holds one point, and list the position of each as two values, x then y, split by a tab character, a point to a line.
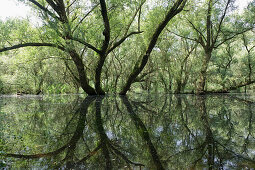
73	26
65	31
214	24
143	59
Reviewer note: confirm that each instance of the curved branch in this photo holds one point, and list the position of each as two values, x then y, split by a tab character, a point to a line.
143	131
235	154
241	85
90	154
231	37
86	44
44	9
36	155
31	45
116	44
139	66
133	18
178	35
197	30
119	153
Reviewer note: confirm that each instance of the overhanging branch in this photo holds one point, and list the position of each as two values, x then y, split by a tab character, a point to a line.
44	9
86	44
221	21
31	45
197	30
84	18
188	38
231	37
116	44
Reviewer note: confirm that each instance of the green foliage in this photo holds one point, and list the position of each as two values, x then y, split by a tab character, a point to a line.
49	70
180	128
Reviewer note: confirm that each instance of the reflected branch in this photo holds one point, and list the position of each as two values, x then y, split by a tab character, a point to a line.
103	137
34	156
180	112
124	157
90	154
143	132
210	141
79	129
237	155
71	145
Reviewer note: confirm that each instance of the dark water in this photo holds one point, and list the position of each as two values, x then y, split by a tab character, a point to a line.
134	132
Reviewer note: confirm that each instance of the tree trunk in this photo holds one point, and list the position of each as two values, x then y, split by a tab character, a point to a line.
104	141
82	74
203	75
144	133
99	68
179	87
176	8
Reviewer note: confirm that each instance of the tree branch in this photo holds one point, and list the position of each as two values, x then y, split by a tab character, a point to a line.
116	44
36	155
199	32
133	18
44	9
176	8
192	39
84	18
241	85
90	154
86	44
53	5
221	21
231	37
32	45
106	32
117	152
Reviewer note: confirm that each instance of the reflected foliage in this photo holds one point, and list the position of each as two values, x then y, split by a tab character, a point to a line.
140	132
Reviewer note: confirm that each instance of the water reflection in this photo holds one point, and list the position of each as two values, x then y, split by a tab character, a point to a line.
139	132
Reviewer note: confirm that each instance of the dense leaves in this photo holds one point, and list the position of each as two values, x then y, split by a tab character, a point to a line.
119	46
155	131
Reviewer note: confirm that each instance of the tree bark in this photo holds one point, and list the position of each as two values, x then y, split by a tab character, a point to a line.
143	133
139	66
99	68
104	141
82	73
203	75
179	87
103	52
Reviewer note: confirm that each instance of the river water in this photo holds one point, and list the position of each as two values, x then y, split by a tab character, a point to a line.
134	132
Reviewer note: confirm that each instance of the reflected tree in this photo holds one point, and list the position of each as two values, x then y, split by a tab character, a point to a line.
154	132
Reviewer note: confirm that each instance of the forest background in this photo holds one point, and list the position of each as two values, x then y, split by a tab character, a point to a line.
116	46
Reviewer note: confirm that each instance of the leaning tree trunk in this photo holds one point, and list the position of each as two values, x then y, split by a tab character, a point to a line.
82	73
177	8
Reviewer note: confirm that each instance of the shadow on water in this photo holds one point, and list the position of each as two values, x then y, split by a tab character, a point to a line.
140	132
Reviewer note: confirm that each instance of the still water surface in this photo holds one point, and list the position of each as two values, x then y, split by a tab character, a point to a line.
133	132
